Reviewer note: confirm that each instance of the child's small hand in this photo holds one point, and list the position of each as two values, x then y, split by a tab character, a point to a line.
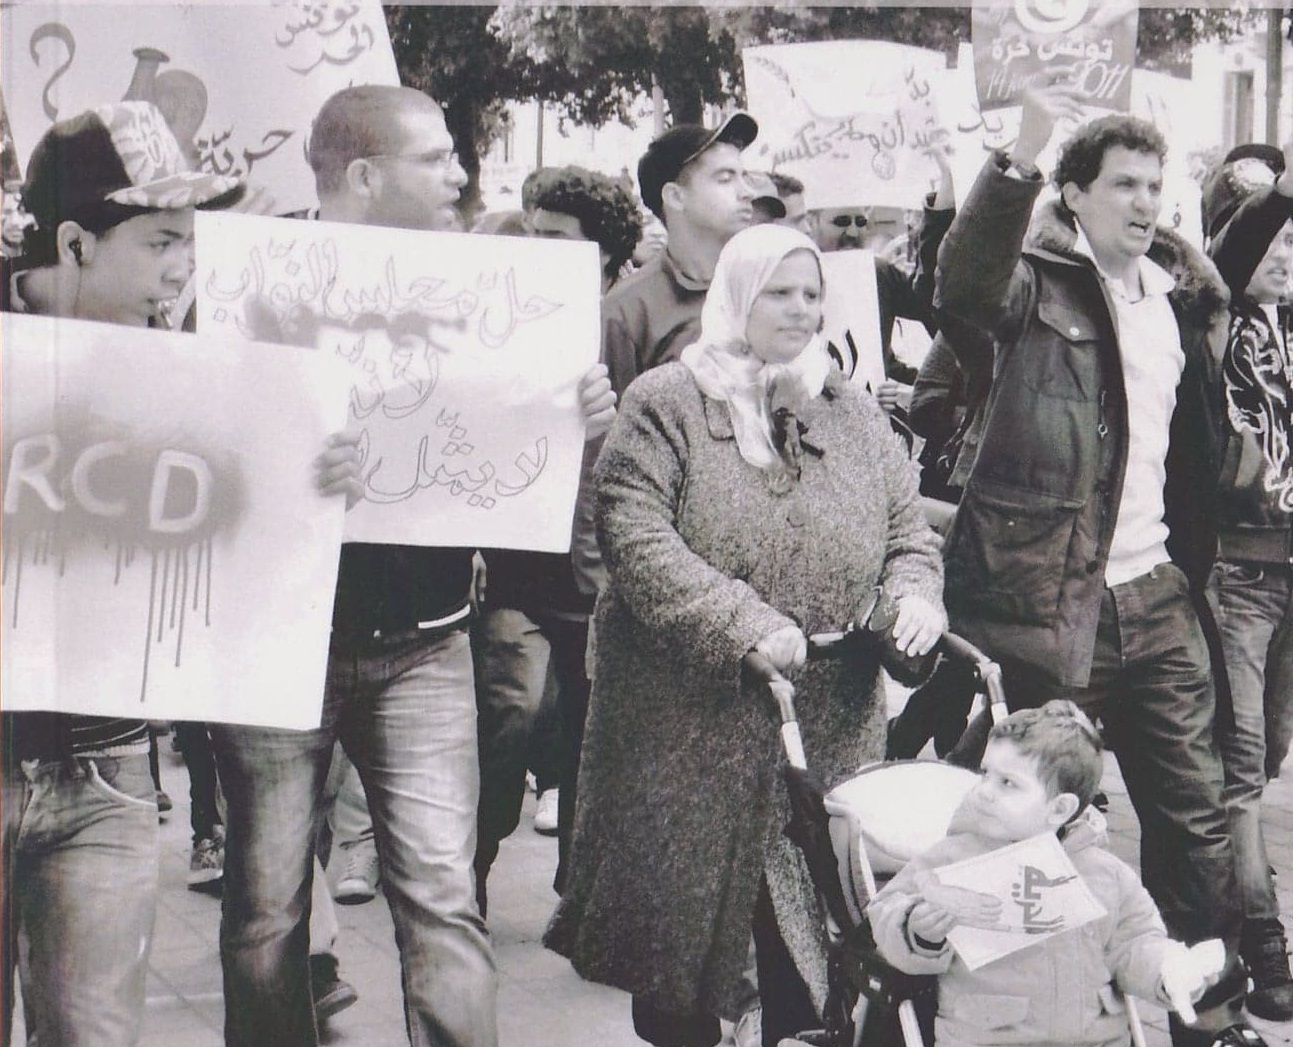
1187	972
930	923
962	906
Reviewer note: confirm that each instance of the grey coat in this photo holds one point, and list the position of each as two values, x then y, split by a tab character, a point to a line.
680	796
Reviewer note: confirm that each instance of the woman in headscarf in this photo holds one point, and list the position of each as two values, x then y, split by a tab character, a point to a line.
747	495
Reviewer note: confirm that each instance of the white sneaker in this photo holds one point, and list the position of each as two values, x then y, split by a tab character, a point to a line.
545	815
358	883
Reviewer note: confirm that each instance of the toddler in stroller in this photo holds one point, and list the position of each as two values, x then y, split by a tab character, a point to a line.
1040	770
889	995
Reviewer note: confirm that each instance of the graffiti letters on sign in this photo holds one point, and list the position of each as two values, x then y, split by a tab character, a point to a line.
62	491
456	347
160	519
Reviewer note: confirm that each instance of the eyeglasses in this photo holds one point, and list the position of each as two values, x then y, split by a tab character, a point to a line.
843	221
434	158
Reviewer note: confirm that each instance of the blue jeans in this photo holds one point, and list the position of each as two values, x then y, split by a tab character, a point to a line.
1255	613
1151	685
404	708
80	883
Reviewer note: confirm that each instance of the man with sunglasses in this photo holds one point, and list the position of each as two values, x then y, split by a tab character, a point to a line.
399	692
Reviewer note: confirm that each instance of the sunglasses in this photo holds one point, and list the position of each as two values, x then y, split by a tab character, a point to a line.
843	221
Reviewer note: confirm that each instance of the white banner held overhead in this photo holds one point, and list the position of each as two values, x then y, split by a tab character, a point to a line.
239	86
166	553
465	353
853	119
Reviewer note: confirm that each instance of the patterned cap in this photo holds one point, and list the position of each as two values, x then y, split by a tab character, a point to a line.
122	153
1245	170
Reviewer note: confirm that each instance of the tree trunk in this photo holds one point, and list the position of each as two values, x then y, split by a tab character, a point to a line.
462	124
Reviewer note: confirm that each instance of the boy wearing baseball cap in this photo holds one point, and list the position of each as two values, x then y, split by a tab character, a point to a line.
109	202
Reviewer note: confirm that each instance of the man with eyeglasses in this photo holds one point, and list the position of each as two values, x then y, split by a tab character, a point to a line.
399	693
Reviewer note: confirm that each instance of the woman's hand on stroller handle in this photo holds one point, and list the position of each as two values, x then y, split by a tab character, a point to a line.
786	648
918	626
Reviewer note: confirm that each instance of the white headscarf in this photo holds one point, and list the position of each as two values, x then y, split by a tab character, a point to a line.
721	361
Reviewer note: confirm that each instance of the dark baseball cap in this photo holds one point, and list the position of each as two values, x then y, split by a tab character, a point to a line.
122	153
676	148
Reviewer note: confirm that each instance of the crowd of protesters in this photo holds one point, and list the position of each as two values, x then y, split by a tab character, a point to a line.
1109	407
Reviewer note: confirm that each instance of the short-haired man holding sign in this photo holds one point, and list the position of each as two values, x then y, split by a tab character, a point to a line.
399	691
1084	538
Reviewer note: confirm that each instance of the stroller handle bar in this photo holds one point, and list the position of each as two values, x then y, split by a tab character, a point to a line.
836	644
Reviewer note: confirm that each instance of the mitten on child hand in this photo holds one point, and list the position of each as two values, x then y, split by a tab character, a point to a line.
1188	972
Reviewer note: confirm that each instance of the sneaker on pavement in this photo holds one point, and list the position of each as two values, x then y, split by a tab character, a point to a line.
545	815
1265	950
331	994
206	863
358	883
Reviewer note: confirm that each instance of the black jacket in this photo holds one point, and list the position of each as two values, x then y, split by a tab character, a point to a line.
1256	507
1027	555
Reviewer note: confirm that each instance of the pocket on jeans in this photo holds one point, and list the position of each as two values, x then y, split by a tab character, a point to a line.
1246	575
113	784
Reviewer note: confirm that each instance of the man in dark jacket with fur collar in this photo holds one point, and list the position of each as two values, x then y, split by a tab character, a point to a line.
1083	541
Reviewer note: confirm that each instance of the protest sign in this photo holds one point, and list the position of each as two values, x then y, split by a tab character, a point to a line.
464	354
853	119
166	554
239	85
851	325
1165	101
1089	44
1040	891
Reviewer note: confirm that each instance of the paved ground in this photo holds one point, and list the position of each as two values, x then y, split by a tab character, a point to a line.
541	1001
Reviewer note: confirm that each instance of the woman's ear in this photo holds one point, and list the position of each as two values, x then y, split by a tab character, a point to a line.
75	244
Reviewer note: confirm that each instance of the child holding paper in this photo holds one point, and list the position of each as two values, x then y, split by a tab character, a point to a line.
1040	770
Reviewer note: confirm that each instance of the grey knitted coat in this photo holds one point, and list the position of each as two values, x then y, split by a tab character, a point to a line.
680	796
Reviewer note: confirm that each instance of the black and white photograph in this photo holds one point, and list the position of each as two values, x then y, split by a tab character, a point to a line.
701	524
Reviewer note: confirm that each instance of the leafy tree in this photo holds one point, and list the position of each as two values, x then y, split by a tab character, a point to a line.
593	62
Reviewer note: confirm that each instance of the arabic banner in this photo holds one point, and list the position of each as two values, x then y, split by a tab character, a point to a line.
239	85
464	353
165	553
1040	891
853	119
1090	43
1165	101
851	325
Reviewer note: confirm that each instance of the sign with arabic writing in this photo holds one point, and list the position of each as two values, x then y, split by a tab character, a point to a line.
165	554
1090	43
853	119
851	315
464	353
239	85
1165	101
1040	891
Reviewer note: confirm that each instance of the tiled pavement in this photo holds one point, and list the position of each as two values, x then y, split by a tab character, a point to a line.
542	1003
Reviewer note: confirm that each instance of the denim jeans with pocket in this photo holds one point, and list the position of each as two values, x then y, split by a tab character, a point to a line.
404	708
80	885
1255	613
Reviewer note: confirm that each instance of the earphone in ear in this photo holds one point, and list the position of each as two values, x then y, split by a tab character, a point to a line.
76	249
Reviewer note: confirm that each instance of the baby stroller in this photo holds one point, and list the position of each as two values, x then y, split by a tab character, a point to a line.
854	834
